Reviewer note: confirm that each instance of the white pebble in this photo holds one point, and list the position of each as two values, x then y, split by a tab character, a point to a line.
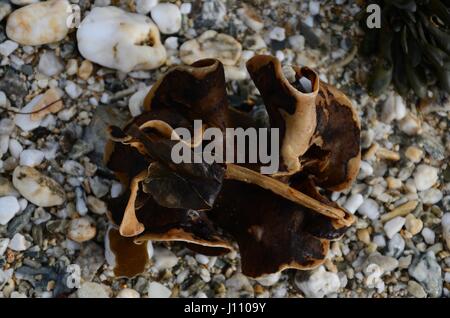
128	293
297	42
445	222
379	240
428	235
431	196
4	102
73	90
4	144
157	290
270	279
15	148
394	226
4	242
365	170
394	108
353	202
314	7
144	6
171	43
277	34
24	121
425	177
410	125
5	9
118	39
136	102
7	47
18	243
50	64
186	8
39	23
164	259
370	209
31	157
23	204
321	283
167	17
202	259
116	189
9	206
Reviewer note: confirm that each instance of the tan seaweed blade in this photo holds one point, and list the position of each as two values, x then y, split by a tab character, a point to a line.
246	175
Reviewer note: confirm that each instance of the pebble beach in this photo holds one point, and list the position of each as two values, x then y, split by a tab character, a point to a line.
98	60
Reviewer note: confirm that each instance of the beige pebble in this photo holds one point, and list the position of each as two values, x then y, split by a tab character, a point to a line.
387	154
393	183
50	102
85	70
414	154
370	153
401	210
211	45
413	225
39	23
363	235
72	67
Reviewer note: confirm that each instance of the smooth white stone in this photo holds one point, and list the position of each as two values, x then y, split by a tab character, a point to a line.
321	283
136	101
277	34
145	6
31	157
4	144
379	240
428	235
370	209
73	90
18	243
38	188
7	47
164	258
394	226
353	202
15	148
445	222
425	177
9	206
167	17
270	279
157	290
186	8
431	196
50	64
314	7
365	170
117	39
5	9
128	293
4	242
24	121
